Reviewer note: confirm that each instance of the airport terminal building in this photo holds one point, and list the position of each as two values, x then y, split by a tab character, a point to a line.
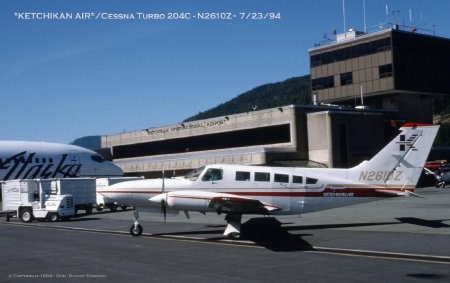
283	136
397	72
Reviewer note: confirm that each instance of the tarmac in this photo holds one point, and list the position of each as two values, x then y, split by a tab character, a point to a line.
405	239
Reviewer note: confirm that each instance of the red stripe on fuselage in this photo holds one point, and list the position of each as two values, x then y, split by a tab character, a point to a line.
328	192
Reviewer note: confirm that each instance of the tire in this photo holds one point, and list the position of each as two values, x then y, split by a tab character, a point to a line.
113	208
26	215
53	217
89	210
234	236
136	231
98	208
124	207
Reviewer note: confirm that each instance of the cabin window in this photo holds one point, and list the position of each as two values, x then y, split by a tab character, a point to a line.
36	160
262	177
242	176
97	158
50	160
213	174
281	178
402	147
44	160
311	181
193	175
297	179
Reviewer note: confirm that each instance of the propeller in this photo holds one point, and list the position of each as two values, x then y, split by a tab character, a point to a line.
164	200
163	209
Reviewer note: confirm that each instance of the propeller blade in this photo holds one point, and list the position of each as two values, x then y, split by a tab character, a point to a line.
163	210
163	188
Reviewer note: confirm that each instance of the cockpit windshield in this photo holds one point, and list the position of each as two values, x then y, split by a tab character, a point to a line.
97	158
193	175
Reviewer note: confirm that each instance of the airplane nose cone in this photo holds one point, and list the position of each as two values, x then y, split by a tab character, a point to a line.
158	198
115	170
108	169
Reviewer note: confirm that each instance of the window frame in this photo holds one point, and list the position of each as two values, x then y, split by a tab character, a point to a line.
265	174
278	175
243	173
212	175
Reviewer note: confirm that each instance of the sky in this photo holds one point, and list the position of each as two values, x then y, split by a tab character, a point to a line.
62	79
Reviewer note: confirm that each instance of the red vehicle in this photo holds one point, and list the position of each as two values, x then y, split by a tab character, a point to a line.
441	171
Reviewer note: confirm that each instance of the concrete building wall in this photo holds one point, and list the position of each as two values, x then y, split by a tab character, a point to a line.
306	136
344	139
163	144
350	65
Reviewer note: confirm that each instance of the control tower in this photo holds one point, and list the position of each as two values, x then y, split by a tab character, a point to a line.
390	69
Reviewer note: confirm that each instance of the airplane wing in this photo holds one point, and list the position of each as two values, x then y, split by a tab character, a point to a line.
212	202
398	193
234	203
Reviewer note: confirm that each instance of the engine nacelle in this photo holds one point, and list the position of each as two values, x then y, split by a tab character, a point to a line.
188	201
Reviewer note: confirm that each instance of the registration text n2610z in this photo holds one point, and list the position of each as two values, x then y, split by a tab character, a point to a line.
380	175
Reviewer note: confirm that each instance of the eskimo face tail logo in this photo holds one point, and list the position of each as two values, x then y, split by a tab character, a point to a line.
24	165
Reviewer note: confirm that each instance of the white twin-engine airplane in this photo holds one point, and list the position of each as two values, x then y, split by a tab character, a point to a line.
32	160
235	190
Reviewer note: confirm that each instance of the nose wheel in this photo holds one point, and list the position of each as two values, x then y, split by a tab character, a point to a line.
136	229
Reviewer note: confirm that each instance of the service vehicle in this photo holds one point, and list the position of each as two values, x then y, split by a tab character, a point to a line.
102	183
83	191
28	200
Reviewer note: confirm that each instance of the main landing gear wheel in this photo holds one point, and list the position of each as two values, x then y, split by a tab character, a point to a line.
233	230
234	236
136	230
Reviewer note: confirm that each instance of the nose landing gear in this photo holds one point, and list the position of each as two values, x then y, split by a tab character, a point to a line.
136	229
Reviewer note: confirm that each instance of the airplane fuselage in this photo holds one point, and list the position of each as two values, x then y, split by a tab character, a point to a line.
32	160
293	190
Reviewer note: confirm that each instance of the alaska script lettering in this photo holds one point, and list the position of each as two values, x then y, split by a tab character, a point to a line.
21	166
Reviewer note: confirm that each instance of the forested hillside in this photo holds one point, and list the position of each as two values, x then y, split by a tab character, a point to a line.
295	90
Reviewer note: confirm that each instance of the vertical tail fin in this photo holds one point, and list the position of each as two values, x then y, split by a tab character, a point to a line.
399	164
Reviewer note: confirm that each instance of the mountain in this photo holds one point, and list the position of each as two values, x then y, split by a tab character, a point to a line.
296	90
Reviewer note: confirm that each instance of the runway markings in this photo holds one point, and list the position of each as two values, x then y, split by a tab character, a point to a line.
388	255
183	237
250	244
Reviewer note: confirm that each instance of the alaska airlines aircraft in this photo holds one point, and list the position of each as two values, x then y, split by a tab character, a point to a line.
31	160
235	190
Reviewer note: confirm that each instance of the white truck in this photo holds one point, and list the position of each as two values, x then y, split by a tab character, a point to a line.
83	191
27	199
102	201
